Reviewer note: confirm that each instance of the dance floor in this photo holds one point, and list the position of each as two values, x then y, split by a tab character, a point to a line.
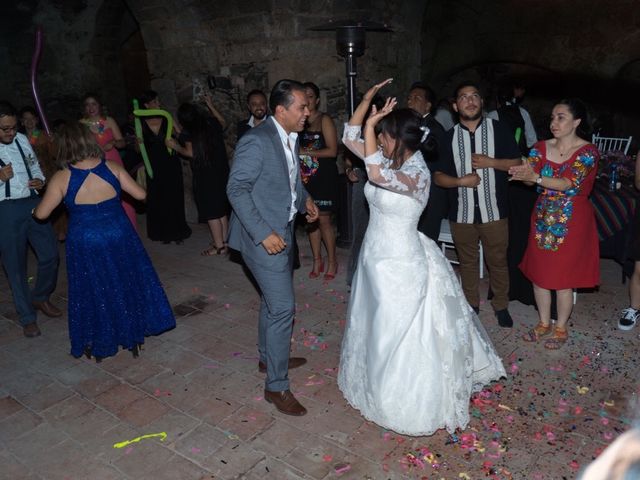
191	406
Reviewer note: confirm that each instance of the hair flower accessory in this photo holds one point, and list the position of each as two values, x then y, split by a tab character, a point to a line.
425	133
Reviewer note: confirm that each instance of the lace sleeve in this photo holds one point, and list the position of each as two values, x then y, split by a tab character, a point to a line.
352	139
412	179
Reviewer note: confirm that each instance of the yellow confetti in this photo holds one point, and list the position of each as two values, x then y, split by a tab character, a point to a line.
162	436
609	403
504	407
463	475
582	390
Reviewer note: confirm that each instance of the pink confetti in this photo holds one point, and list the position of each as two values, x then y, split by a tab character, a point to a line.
327	458
604	421
195	450
227	306
577	410
514	368
608	436
574	465
340	469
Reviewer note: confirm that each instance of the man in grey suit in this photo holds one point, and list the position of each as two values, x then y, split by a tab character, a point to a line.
266	194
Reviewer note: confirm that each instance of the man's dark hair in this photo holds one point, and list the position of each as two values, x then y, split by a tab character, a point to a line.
462	85
429	94
282	93
7	110
255	92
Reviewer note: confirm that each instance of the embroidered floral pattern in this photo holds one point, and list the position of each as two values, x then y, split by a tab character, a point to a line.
555	208
309	164
308	167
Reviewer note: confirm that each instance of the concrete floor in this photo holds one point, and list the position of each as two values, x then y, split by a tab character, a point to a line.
60	417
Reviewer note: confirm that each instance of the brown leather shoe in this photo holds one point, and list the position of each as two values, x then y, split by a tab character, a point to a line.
285	402
48	308
294	362
31	330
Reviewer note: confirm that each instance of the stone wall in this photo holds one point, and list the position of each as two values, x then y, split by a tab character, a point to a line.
81	52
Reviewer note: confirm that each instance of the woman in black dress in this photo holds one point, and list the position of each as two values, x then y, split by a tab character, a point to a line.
165	192
204	144
318	150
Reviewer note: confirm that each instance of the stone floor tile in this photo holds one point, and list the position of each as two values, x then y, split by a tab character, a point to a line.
174	423
42	447
200	442
180	469
143	411
9	406
139	459
271	468
214	410
278	439
311	456
47	396
233	460
12	469
176	359
23	422
118	397
246	423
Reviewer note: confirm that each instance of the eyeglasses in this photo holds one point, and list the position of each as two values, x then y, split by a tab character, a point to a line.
9	129
468	98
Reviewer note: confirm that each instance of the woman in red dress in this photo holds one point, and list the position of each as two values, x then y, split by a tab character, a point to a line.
563	251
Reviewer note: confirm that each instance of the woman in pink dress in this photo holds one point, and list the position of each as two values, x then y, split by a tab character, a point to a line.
108	135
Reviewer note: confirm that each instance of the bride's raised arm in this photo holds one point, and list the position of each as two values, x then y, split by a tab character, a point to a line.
411	180
351	134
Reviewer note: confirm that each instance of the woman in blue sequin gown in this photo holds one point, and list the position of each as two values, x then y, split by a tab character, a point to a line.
115	296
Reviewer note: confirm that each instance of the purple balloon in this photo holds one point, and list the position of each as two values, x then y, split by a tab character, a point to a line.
34	69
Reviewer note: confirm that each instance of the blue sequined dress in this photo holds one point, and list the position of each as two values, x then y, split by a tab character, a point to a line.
115	296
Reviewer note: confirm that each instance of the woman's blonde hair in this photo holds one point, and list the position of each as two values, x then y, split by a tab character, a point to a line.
75	143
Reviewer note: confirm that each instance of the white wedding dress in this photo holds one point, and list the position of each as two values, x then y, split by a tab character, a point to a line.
413	349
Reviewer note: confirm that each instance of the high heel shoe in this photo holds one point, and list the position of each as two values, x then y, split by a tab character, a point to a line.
320	263
330	276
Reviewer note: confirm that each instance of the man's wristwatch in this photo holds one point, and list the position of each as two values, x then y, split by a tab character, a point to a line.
539	180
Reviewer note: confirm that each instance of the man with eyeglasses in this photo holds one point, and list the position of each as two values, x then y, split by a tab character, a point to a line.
20	180
473	164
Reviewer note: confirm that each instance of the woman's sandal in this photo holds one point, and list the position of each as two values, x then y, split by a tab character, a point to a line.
317	261
537	332
559	338
213	250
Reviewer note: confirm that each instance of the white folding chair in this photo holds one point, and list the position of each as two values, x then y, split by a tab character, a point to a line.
611	144
446	241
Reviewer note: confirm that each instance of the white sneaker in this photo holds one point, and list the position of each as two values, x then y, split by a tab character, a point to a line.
628	319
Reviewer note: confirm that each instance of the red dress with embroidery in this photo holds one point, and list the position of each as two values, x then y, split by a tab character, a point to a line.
563	250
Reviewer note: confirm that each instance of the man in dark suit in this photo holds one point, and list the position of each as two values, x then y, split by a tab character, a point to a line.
266	193
421	99
257	105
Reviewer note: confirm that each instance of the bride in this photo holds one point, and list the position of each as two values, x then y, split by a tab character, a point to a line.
413	349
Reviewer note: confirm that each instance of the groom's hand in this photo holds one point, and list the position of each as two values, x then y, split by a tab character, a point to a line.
274	243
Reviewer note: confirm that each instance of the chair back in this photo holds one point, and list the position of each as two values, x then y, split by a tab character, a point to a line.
611	144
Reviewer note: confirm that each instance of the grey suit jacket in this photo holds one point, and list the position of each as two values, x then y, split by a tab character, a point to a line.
260	194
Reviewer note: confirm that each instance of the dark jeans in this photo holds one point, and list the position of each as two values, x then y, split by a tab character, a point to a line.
19	229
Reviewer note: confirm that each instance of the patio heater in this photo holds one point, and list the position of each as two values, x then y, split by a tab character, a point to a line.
350	44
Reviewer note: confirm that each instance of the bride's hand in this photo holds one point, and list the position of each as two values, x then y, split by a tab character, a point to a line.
376	115
373	90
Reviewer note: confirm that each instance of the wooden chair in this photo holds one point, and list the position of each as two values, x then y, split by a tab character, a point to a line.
611	144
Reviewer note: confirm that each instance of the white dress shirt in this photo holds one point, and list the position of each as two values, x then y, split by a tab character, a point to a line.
288	143
19	183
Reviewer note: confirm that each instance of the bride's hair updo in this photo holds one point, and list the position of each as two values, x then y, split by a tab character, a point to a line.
403	125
